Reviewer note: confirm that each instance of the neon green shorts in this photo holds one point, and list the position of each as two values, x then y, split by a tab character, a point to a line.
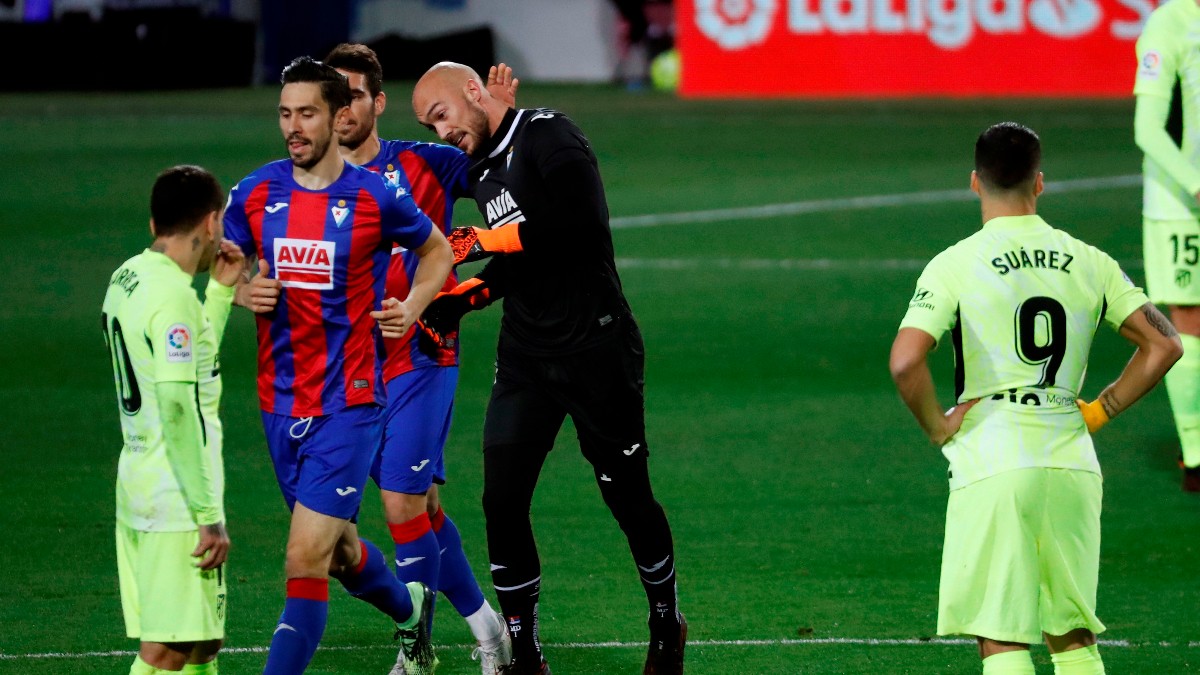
164	596
1021	556
1171	251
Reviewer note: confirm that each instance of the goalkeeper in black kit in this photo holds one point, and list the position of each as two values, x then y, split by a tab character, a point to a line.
568	345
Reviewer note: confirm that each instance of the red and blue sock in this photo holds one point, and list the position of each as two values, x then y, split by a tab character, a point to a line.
300	626
418	556
373	582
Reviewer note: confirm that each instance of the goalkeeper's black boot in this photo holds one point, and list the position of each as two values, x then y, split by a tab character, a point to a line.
665	656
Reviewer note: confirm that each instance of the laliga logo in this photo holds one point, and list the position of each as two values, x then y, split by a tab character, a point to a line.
948	24
735	24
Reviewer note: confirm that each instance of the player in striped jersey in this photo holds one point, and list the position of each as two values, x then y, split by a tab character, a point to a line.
1022	302
420	377
325	229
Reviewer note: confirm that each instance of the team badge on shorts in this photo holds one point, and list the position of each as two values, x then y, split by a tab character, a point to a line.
179	344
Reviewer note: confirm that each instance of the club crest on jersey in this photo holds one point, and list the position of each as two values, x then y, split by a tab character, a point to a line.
340	212
179	344
508	159
305	263
392	176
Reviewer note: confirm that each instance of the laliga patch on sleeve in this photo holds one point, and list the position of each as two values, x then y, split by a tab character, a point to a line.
179	344
1151	66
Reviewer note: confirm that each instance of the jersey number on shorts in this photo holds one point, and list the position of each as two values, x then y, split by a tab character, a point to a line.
1041	335
127	386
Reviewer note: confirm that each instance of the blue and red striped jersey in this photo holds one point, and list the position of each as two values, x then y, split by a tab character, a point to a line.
319	350
435	175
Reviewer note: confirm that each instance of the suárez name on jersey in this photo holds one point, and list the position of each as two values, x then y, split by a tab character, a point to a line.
1038	258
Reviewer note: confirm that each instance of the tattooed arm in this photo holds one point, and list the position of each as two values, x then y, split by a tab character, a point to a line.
1158	348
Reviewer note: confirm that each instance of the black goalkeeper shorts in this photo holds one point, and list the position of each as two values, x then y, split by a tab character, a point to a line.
601	388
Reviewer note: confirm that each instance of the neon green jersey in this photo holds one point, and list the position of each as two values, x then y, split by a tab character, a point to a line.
157	331
1169	50
1022	302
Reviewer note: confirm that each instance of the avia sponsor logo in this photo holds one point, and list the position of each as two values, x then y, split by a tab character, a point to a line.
502	209
949	24
305	263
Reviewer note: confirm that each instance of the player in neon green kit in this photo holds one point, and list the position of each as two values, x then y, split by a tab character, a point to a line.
1022	302
1169	52
171	539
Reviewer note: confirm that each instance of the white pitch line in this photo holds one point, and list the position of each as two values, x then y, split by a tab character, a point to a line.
856	203
785	642
793	264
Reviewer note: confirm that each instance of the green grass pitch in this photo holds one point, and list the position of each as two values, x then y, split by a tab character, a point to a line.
807	507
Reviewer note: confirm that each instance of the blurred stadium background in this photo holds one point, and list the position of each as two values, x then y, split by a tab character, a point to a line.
769	248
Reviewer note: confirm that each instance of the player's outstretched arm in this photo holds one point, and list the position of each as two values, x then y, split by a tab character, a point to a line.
438	325
435	261
910	371
1158	348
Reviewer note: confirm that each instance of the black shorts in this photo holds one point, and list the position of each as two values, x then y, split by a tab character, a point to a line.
601	388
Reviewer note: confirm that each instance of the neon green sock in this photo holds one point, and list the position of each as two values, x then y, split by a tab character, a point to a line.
140	667
1084	661
1183	388
1017	662
209	668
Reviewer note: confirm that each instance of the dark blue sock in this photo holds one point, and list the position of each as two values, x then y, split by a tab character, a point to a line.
373	582
456	581
300	626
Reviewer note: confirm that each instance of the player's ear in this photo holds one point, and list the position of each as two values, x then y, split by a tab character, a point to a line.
380	103
472	89
213	225
1039	184
975	182
153	233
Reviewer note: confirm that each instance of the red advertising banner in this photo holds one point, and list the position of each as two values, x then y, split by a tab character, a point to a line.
896	48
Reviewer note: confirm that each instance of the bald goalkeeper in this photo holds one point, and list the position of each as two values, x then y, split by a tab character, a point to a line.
568	345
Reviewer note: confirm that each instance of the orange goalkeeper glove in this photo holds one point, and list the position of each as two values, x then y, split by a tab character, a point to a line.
1094	414
475	243
438	325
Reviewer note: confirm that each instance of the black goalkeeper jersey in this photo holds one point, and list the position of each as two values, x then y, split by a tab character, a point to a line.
562	293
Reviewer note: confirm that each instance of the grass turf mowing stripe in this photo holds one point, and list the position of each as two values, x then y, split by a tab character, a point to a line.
857	203
783	642
797	264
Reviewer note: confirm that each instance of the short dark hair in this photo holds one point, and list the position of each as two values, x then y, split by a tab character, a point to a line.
358	58
335	88
183	196
1007	156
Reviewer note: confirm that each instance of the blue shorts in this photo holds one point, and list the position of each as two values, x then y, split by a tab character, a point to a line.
323	462
420	403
